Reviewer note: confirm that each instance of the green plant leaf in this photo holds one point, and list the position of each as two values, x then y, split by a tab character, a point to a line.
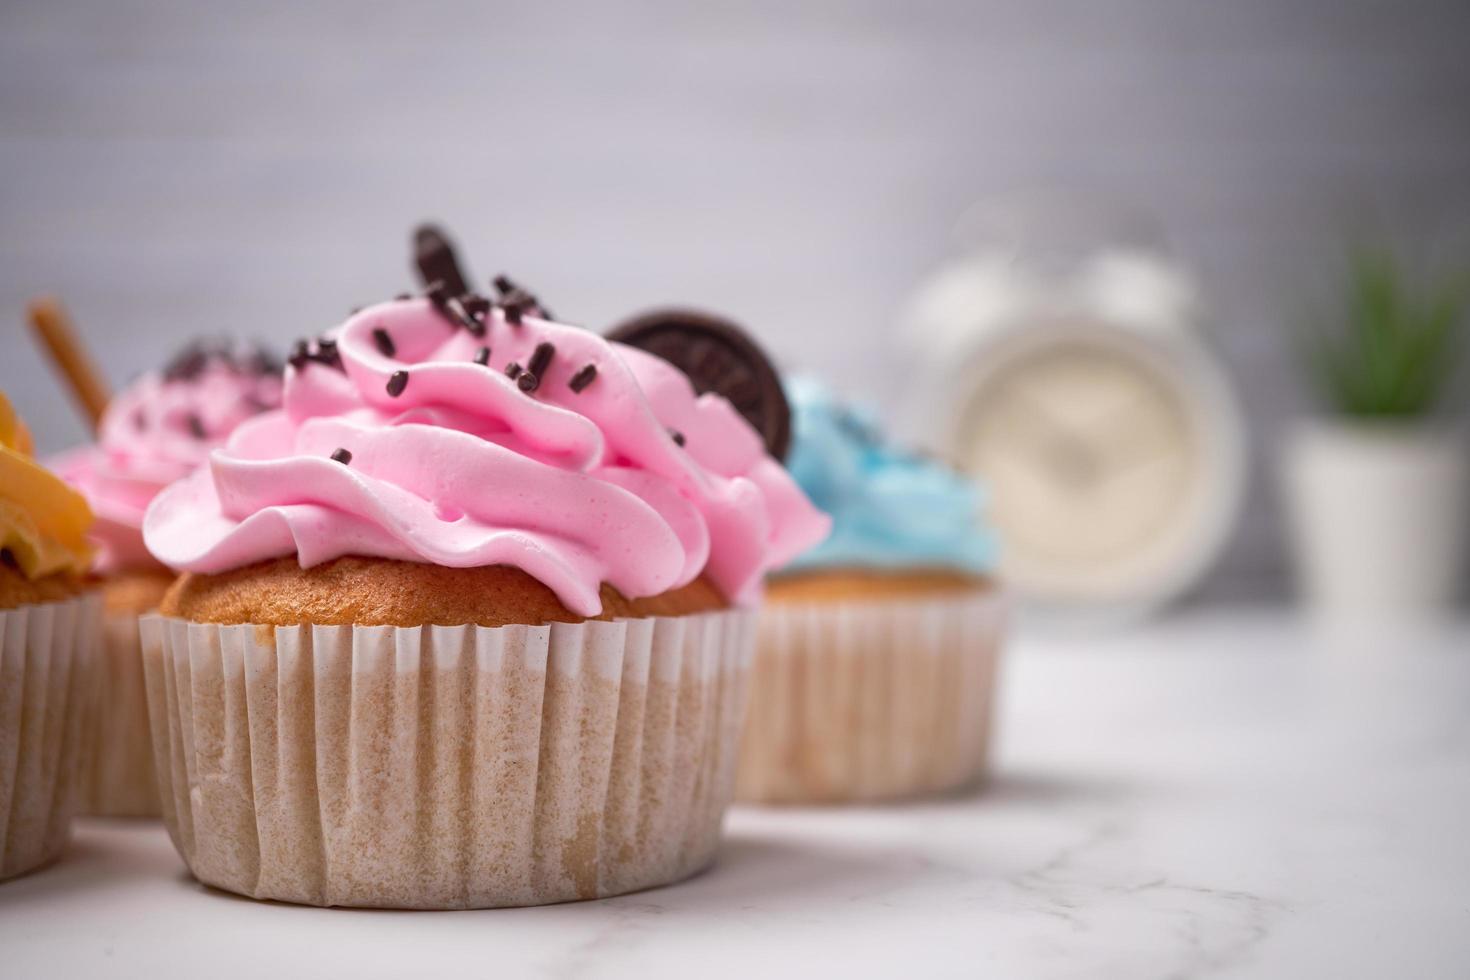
1395	348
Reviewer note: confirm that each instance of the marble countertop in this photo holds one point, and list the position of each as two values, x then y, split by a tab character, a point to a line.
1223	795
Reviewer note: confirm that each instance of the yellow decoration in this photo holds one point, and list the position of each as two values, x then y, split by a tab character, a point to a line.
43	522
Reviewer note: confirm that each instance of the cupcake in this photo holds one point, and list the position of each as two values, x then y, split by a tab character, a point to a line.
877	651
49	623
468	622
158	430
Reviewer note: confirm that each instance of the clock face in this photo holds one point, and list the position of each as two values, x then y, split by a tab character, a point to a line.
1097	465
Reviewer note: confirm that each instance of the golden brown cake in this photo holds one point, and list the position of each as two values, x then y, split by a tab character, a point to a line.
863	584
136	591
17	590
386	592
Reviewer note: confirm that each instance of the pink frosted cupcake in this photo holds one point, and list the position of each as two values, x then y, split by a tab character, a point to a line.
158	430
468	622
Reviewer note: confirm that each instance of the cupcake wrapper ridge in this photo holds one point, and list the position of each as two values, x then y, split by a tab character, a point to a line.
868	701
446	767
47	684
117	778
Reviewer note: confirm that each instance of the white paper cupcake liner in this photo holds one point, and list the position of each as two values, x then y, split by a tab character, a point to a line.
47	657
447	767
117	777
867	701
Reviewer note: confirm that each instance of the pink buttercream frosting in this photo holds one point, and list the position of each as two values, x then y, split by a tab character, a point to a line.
463	468
156	431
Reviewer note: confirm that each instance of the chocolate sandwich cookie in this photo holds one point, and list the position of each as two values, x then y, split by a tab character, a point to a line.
718	356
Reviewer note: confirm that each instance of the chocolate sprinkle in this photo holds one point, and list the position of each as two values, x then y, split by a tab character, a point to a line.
342	456
516	300
436	260
583	378
475	325
262	361
397	383
384	342
188	364
196	426
482	356
513	370
192	360
678	437
327	353
300	354
541	359
527	382
400	297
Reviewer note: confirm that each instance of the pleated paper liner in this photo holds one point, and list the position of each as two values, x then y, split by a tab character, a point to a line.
871	701
117	777
447	767
47	681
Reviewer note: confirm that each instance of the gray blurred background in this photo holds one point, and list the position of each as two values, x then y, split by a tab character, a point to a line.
177	169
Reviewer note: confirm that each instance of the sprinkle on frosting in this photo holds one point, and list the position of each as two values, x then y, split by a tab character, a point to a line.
326	353
482	356
383	341
583	378
576	489
517	300
397	383
342	456
541	359
461	314
435	258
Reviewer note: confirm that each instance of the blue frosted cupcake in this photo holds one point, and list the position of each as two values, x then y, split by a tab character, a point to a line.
876	665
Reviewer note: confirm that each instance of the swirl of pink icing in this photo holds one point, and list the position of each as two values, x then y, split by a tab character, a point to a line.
156	431
463	468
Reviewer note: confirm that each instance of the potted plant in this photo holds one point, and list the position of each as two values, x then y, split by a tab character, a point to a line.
1377	489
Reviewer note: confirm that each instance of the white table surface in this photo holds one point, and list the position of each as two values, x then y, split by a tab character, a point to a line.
1223	795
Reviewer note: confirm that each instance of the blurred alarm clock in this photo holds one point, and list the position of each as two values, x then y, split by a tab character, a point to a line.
1077	386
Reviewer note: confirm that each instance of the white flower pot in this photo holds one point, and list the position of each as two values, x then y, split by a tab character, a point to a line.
1378	516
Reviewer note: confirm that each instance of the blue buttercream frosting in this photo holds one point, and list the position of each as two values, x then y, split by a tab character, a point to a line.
890	508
